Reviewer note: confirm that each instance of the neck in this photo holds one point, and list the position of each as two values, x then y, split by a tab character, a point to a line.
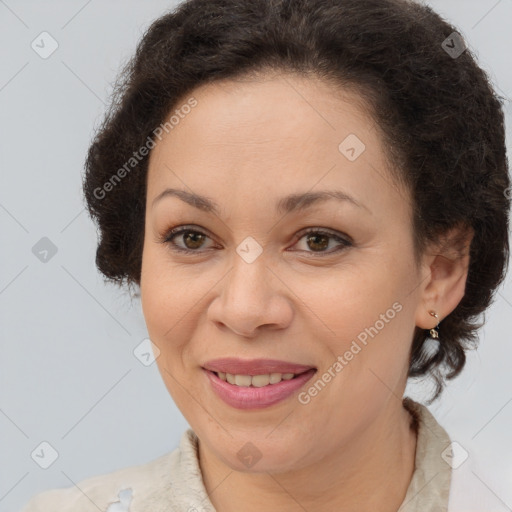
373	470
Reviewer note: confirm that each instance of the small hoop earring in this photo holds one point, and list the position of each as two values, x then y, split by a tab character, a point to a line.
434	332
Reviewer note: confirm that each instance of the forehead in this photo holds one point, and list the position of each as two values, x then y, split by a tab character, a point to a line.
275	110
282	132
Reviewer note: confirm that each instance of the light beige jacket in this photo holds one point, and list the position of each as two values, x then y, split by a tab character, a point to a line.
173	482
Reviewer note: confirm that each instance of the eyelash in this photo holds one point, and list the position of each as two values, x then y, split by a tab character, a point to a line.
167	238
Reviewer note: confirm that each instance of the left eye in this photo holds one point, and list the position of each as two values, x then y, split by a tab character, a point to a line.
317	239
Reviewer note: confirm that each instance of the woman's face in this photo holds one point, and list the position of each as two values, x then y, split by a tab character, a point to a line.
343	299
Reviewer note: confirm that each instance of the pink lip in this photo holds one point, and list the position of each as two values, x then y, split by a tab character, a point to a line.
256	398
238	366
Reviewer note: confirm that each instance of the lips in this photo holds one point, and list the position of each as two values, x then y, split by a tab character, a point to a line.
249	397
238	366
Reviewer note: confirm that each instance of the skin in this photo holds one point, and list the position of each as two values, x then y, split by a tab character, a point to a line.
245	145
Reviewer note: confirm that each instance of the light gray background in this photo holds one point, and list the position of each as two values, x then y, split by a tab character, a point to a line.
68	373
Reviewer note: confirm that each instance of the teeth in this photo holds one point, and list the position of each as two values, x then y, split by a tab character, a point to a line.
256	381
243	380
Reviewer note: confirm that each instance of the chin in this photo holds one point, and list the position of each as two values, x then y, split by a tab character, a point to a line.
259	455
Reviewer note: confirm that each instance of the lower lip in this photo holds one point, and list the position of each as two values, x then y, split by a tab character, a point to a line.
249	397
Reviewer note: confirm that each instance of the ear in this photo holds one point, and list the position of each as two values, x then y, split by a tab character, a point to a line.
444	269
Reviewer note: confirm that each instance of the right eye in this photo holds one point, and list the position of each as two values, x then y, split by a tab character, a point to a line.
191	238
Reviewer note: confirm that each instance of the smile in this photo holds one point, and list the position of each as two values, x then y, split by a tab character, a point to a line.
256	391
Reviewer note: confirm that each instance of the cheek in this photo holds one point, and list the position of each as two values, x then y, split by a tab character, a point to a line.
171	300
165	316
160	285
160	310
364	314
352	298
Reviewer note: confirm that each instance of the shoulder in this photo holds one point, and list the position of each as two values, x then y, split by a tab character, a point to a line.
133	488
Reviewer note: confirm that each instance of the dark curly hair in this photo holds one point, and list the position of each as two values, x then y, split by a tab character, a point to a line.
442	122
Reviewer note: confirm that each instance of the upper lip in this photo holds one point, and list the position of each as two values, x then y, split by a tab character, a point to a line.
237	366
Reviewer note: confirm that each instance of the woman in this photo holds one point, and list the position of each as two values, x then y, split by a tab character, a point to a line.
312	197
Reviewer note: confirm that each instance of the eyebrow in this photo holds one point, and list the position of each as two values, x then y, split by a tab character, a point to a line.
287	204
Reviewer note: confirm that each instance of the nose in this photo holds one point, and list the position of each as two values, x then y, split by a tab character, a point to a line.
252	297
